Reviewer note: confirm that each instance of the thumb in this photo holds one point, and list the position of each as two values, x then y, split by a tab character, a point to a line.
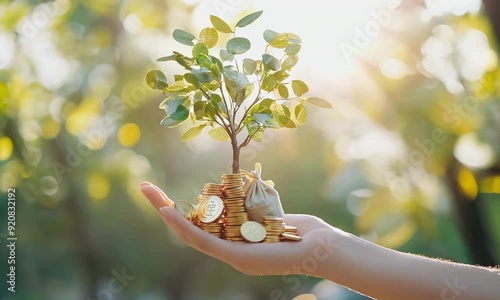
155	195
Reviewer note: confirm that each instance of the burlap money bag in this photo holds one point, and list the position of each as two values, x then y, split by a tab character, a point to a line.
262	199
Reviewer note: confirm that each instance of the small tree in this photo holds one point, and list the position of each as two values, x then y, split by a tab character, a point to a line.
229	93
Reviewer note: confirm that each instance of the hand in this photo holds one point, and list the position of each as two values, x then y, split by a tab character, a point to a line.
319	241
330	253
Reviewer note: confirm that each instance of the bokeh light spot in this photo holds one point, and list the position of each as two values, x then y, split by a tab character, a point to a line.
49	185
50	129
129	134
6	148
467	183
98	186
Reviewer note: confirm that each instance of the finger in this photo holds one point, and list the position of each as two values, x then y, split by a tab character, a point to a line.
197	238
155	195
296	219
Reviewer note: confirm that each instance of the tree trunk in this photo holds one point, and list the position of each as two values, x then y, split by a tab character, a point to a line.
471	222
236	155
492	9
86	250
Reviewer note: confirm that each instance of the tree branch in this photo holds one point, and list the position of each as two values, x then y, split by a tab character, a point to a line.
221	123
248	139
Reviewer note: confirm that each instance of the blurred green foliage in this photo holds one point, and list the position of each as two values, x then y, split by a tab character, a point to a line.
415	127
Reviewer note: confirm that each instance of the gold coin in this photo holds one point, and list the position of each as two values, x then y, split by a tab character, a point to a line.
291	237
210	209
184	208
273	218
214	185
271	241
234	175
253	232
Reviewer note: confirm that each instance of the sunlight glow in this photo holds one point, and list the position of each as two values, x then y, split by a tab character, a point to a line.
471	152
329	24
456	7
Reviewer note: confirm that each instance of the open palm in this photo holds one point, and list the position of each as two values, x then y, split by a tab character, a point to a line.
252	258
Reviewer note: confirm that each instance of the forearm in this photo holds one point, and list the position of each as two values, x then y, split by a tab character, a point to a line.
387	274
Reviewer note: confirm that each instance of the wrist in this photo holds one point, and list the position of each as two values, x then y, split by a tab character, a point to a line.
333	250
350	256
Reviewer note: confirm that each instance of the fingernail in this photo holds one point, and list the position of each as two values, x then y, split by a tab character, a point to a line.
145	183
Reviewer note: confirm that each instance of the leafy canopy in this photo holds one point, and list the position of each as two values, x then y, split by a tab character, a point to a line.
229	93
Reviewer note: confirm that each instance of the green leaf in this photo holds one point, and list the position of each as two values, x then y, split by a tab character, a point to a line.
292	49
204	61
259	135
169	122
193	133
249	66
190	78
156	80
203	74
210	110
247	20
320	102
167	58
199	49
199	109
234	81
283	91
262	118
281	75
281	109
183	60
173	103
177	86
183	37
212	85
220	25
293	38
270	62
243	93
269	83
269	35
226	56
266	104
280	41
238	45
299	87
287	122
198	96
219	134
300	114
289	62
209	37
170	96
217	62
218	103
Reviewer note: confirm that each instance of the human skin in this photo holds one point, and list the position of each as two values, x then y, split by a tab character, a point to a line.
341	257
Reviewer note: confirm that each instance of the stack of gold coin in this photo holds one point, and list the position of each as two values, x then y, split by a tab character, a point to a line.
291	230
234	203
210	189
210	216
274	226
